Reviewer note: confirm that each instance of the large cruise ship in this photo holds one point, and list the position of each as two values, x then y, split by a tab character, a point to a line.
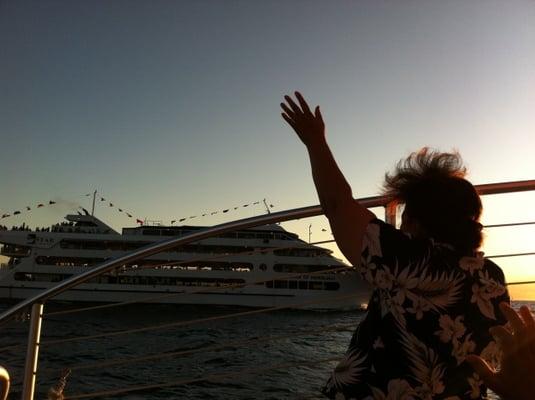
262	267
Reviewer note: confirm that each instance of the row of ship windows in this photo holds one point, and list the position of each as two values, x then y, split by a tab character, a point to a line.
183	281
192	265
233	235
191	248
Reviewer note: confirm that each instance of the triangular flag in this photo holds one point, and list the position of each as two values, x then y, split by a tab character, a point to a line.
16	213
173	221
139	221
111	204
130	215
40	205
181	219
28	208
51	202
225	210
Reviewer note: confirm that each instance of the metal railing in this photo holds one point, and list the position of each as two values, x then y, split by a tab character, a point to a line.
37	301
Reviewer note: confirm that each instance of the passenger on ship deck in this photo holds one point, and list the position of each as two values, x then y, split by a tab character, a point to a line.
435	296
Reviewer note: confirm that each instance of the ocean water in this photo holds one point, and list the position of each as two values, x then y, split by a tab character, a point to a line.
275	355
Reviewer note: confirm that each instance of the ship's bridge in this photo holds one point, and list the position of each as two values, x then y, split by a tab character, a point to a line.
78	223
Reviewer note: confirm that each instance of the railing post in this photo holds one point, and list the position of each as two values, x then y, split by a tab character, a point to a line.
34	337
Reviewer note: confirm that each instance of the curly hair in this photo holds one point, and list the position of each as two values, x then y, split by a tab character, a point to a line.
432	186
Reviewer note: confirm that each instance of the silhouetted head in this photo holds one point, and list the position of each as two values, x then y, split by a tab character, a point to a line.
439	202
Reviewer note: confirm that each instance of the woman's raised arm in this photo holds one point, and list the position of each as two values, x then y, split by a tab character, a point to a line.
348	219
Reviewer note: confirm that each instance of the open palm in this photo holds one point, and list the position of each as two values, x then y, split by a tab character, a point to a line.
308	126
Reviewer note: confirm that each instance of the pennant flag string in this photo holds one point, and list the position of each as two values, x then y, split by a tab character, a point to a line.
53	202
226	210
112	205
27	208
130	215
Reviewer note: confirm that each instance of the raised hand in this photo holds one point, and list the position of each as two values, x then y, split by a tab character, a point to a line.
514	380
309	127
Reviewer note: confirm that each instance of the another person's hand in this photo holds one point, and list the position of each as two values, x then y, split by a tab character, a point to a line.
514	380
308	126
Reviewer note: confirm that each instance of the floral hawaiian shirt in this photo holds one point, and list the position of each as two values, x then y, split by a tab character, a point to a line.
430	308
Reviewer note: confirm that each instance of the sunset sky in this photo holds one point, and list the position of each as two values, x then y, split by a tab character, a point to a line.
170	109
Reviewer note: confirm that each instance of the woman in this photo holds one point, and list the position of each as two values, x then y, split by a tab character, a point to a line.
434	297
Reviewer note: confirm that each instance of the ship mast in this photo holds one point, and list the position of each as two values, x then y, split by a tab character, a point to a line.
93	207
267	208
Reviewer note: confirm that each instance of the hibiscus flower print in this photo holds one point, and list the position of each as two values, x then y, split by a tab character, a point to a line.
475	383
389	305
472	264
384	279
492	288
462	348
450	329
419	307
482	299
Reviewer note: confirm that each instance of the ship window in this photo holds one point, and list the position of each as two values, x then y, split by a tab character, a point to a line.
292	285
13	250
301	252
281	284
332	285
315	285
303	285
246	235
40	277
269	284
22	276
68	261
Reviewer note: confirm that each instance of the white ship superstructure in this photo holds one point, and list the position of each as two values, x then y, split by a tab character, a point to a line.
261	267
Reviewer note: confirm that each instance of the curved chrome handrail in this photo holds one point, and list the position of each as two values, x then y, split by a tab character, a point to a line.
4	383
296	213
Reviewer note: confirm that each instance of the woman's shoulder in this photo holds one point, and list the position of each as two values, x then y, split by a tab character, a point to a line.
493	270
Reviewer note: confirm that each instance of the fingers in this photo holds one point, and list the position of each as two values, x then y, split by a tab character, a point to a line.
503	336
287	110
525	313
484	371
516	323
295	107
302	103
317	113
288	119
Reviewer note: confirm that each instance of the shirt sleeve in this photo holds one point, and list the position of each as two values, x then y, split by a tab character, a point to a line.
388	253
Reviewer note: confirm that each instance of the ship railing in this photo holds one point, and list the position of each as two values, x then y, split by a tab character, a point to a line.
36	303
